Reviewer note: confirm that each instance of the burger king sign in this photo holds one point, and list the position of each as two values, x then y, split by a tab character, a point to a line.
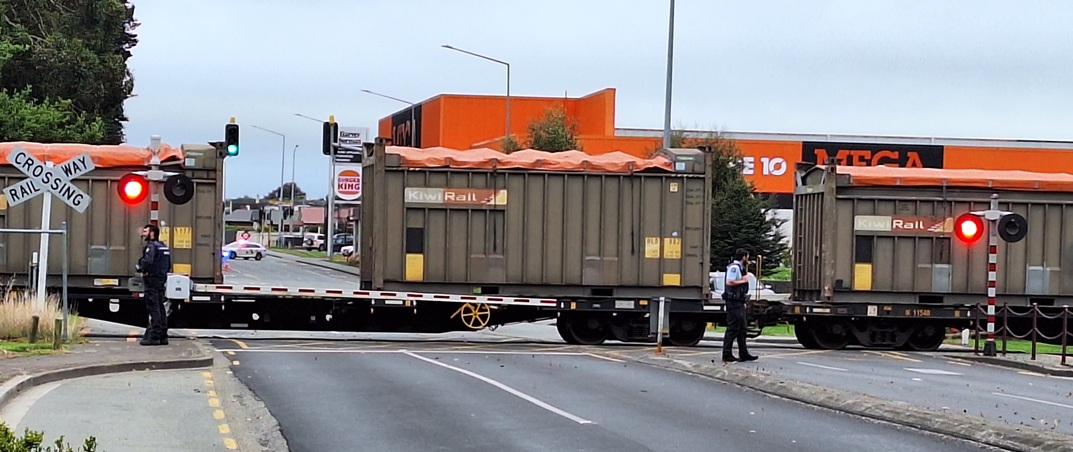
348	182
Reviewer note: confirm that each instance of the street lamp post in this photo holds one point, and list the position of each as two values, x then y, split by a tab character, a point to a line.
282	168
294	163
670	70
329	214
447	46
413	120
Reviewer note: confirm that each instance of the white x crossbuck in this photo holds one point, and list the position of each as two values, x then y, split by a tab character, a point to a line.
56	180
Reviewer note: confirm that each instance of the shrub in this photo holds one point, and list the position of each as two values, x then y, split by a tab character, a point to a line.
31	442
17	308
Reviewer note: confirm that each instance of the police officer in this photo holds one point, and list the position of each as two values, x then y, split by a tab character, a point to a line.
736	295
154	265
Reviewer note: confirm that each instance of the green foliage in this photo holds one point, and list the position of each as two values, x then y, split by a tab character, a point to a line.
31	441
299	194
509	144
71	57
24	119
555	132
740	217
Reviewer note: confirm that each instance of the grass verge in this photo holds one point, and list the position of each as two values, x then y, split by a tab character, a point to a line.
1019	346
336	258
786	330
17	309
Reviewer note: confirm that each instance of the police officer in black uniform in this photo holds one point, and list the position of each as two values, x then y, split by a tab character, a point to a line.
736	295
154	265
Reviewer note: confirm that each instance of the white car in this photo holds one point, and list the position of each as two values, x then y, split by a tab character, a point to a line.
717	280
346	251
245	250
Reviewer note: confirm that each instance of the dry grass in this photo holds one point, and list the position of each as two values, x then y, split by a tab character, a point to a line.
17	308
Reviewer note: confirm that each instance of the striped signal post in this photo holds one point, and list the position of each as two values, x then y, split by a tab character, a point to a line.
992	277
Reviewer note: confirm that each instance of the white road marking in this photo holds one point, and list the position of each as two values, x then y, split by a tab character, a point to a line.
931	371
504	387
17	408
1033	400
822	366
445	352
959	363
1031	374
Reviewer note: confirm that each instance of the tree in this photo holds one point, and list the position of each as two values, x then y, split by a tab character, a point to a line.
509	144
555	132
71	51
741	218
299	195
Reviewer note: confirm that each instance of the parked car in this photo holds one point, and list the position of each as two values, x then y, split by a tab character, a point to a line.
346	251
245	250
717	280
314	242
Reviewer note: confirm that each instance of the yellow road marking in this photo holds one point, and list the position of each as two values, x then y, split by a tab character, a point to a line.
206	374
234	363
132	336
231	353
218	415
892	356
240	344
212	393
230	444
224	429
208	383
214	402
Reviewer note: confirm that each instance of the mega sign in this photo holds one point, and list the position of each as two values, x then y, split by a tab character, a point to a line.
863	154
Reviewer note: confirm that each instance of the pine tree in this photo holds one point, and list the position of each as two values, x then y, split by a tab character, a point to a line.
741	218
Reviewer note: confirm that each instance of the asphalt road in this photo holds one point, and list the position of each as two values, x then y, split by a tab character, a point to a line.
933	380
281	271
497	396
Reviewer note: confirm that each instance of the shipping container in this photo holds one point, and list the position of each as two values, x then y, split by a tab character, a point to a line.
531	223
885	235
104	242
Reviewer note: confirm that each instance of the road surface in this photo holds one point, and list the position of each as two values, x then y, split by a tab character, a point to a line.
282	271
496	396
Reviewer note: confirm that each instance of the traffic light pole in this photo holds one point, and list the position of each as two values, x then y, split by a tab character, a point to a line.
992	277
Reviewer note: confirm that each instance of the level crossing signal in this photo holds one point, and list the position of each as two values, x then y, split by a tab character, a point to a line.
231	138
133	189
968	228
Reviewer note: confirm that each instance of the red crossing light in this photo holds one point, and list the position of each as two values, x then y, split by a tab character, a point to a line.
133	189
968	228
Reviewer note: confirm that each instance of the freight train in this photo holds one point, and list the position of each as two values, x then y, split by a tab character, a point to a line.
607	245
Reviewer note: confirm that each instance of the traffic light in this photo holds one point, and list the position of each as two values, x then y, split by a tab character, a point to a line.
331	134
968	228
133	189
1012	227
231	138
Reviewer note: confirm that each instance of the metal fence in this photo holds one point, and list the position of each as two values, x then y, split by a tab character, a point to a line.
1027	320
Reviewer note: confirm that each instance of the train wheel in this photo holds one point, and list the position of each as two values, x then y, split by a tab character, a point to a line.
474	316
925	339
828	335
562	325
686	332
584	330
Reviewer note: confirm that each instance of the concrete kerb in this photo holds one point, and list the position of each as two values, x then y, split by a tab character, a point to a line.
315	263
18	385
956	425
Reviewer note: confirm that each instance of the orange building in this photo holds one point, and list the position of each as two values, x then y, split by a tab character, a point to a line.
471	121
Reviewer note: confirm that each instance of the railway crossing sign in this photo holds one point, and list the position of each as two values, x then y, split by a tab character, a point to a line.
55	180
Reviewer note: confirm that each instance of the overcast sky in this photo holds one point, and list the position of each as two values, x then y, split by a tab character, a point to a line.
975	69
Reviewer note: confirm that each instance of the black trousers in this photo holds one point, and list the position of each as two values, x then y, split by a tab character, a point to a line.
735	329
154	303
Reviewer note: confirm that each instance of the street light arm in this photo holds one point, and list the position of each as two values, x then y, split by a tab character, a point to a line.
447	46
388	97
307	117
270	131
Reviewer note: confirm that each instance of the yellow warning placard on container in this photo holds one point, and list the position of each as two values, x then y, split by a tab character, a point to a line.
651	247
184	238
672	248
672	279
182	269
3	202
862	276
165	235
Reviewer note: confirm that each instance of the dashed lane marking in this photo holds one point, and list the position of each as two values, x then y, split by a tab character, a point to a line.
1029	399
783	355
892	355
931	371
822	366
504	387
132	335
605	358
1031	374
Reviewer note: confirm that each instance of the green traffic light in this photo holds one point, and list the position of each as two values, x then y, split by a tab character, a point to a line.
232	149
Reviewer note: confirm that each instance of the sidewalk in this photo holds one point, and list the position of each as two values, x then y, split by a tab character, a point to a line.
99	356
315	262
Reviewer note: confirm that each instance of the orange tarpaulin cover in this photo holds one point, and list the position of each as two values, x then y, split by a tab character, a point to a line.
484	158
104	156
930	177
